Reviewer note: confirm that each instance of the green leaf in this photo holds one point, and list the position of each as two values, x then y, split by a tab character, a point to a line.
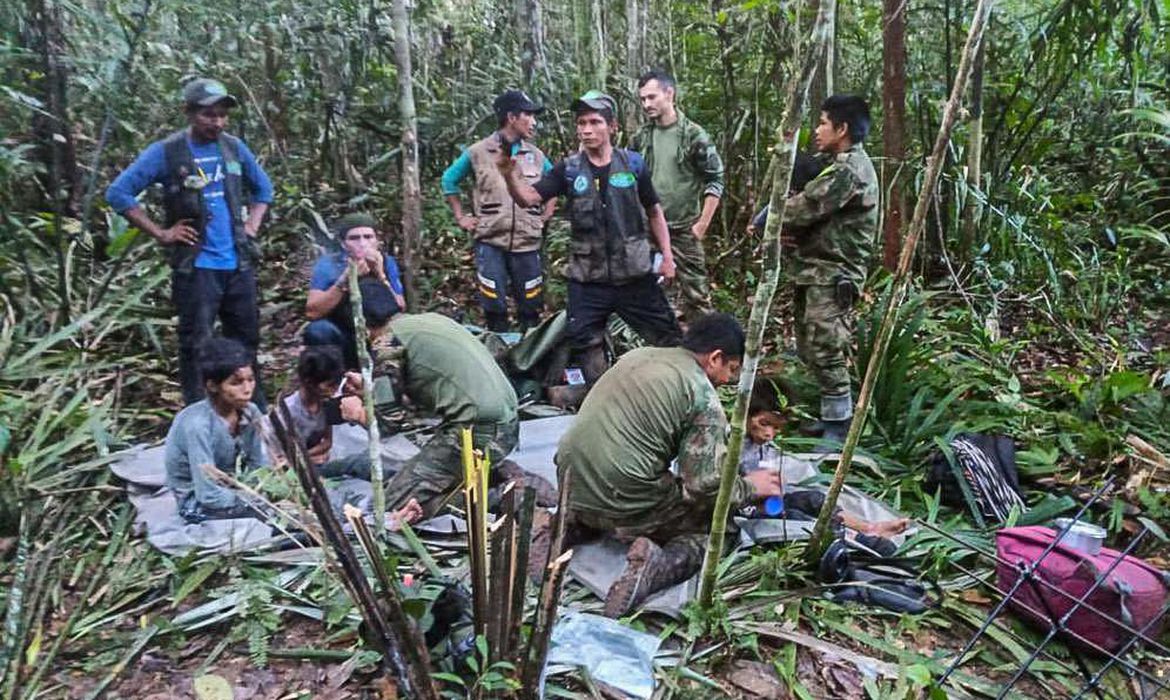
449	678
919	674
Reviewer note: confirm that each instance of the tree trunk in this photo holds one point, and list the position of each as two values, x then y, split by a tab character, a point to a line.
411	196
972	203
533	59
818	542
635	59
597	44
784	156
894	125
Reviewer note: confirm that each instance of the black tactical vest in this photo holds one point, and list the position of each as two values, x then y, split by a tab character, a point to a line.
609	242
183	202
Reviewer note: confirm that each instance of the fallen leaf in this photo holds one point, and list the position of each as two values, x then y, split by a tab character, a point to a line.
974	595
213	687
757	679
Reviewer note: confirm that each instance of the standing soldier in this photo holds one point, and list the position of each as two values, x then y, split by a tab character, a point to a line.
204	172
610	270
833	221
507	235
688	177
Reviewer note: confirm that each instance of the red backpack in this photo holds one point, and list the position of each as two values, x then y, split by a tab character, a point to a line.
1134	593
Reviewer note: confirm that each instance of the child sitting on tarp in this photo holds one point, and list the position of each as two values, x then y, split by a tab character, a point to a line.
315	408
223	431
764	423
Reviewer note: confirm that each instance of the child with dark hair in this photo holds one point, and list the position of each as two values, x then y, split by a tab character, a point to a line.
221	430
759	452
321	379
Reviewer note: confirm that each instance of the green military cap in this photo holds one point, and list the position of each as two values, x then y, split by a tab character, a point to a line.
204	92
357	219
594	100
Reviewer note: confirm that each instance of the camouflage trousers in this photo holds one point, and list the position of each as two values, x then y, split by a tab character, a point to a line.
677	524
434	474
824	330
690	294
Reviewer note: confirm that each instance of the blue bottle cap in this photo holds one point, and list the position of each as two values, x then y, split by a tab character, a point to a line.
774	505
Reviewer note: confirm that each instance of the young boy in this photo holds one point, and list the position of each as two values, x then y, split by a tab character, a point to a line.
764	423
221	430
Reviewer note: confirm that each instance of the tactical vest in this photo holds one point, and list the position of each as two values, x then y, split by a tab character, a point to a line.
501	222
183	202
609	242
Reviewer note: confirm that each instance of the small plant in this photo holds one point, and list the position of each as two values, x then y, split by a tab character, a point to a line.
497	679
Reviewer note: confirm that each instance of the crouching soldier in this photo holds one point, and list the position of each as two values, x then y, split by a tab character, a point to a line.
436	365
654	406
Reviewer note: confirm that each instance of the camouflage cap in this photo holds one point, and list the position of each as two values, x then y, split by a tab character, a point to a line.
354	220
204	92
595	101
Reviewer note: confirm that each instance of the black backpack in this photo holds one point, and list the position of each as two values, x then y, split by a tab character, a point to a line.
978	472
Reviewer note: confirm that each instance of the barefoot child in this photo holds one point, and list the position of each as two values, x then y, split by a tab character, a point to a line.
764	423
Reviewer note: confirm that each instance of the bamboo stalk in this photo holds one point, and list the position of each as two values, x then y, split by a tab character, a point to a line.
901	283
413	680
520	567
546	615
405	629
367	365
475	499
784	156
502	581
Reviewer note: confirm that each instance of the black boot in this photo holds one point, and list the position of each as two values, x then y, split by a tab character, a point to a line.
649	569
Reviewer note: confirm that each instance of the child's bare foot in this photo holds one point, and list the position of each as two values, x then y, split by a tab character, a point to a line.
889	528
410	513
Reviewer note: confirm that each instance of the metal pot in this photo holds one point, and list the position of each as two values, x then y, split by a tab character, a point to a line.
1083	537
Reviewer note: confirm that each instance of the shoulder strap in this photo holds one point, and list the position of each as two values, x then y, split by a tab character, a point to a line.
177	155
229	148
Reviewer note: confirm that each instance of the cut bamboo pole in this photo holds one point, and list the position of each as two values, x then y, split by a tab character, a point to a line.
783	157
414	679
901	282
520	567
361	339
502	553
475	499
546	615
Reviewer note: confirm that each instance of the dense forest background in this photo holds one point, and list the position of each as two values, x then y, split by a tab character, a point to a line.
1042	307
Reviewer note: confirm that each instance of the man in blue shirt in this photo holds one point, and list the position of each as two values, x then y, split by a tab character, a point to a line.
328	308
204	172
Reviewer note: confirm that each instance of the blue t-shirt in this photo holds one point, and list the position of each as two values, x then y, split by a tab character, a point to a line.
218	250
329	267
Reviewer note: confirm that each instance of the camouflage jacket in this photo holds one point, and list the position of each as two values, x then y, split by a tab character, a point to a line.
696	157
837	216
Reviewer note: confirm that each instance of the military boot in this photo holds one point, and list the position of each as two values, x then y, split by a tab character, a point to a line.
649	569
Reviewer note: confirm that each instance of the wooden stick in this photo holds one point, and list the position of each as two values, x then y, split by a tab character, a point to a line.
784	157
546	615
819	540
519	573
413	680
503	539
361	340
414	645
475	501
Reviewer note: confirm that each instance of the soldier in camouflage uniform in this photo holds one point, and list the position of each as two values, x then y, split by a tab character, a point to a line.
833	222
444	372
610	204
688	176
655	406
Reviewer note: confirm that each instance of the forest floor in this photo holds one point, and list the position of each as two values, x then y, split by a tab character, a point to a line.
775	636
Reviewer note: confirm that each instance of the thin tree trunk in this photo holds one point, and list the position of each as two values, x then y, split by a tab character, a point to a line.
533	59
894	126
784	156
902	277
972	205
411	196
635	59
597	44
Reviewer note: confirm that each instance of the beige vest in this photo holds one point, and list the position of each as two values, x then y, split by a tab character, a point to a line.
501	222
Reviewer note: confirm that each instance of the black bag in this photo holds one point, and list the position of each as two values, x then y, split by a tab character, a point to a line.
867	577
978	472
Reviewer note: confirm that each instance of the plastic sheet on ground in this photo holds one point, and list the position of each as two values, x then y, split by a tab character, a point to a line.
613	654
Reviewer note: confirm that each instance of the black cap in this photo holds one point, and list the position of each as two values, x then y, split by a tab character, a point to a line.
204	92
511	101
594	101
